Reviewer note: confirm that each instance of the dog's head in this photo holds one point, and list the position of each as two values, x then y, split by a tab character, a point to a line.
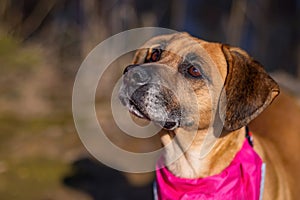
174	79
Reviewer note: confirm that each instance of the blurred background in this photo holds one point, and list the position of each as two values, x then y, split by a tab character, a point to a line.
42	44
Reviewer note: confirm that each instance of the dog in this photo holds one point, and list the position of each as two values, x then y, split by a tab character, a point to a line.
203	95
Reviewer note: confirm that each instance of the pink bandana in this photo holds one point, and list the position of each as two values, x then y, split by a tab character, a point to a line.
242	179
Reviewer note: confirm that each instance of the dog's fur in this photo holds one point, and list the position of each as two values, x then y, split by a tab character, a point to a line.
277	130
160	87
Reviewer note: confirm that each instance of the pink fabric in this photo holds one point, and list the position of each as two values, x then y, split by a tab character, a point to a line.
240	180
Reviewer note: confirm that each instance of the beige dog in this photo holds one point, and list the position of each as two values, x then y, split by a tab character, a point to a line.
187	85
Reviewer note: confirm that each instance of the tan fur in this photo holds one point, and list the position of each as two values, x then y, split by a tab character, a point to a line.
277	130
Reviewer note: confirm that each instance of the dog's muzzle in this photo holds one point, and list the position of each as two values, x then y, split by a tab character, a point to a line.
137	76
144	96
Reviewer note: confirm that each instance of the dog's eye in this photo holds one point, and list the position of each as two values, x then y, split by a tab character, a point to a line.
194	71
154	55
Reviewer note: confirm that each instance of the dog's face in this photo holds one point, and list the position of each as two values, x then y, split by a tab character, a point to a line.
177	81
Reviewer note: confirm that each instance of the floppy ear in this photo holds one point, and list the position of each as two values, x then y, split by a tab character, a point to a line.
249	89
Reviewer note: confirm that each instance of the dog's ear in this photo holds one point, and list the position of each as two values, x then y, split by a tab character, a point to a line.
249	89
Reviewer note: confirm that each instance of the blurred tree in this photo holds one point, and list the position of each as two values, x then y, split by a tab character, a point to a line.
73	27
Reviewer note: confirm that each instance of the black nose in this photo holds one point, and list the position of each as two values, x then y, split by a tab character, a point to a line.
136	75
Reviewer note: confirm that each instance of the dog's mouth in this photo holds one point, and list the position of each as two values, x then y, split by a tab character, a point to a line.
132	107
139	105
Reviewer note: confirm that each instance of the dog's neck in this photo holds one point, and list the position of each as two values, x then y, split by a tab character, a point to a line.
191	164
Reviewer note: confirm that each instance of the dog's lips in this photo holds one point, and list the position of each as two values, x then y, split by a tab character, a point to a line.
169	125
132	107
134	110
